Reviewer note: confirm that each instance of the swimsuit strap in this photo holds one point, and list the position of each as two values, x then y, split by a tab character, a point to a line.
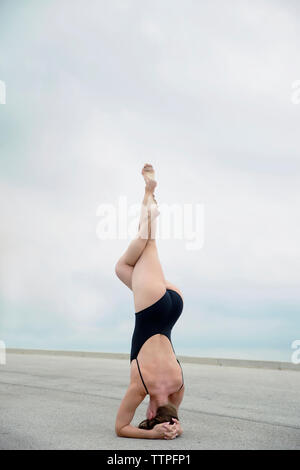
143	379
141	375
181	374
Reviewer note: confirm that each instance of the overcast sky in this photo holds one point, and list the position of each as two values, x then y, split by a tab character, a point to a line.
202	90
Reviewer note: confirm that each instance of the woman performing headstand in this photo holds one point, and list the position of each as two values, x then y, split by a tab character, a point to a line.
155	369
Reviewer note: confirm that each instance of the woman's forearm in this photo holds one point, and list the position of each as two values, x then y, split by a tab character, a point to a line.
132	431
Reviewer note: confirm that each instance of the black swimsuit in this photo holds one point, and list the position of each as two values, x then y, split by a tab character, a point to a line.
158	318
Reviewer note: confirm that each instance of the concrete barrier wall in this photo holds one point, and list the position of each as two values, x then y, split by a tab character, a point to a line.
185	359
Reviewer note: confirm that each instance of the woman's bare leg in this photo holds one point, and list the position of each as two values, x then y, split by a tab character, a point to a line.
147	278
147	226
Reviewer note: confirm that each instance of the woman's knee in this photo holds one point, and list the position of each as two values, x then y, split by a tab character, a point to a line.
124	272
119	268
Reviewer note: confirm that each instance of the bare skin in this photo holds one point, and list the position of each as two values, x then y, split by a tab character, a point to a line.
140	270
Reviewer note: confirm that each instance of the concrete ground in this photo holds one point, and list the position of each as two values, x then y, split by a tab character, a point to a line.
69	402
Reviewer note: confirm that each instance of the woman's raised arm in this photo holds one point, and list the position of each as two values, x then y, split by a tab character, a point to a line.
129	404
133	397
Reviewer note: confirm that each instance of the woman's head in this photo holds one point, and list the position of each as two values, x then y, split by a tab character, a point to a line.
164	413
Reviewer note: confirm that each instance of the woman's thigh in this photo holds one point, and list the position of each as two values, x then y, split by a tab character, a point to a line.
148	281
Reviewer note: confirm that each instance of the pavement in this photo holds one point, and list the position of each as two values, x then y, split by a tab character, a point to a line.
57	401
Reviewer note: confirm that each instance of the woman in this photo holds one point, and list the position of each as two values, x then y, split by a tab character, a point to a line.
155	370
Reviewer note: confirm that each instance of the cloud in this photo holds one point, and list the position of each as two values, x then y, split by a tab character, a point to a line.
202	92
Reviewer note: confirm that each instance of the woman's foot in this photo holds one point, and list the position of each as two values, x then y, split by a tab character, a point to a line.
150	208
149	177
148	172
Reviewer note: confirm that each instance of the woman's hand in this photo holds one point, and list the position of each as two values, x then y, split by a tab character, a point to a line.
178	426
165	431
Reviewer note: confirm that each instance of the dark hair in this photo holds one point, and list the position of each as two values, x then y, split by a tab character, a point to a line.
164	413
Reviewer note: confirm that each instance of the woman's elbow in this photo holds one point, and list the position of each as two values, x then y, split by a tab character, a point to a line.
118	431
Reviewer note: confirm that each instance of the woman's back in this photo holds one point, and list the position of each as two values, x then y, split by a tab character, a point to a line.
159	367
